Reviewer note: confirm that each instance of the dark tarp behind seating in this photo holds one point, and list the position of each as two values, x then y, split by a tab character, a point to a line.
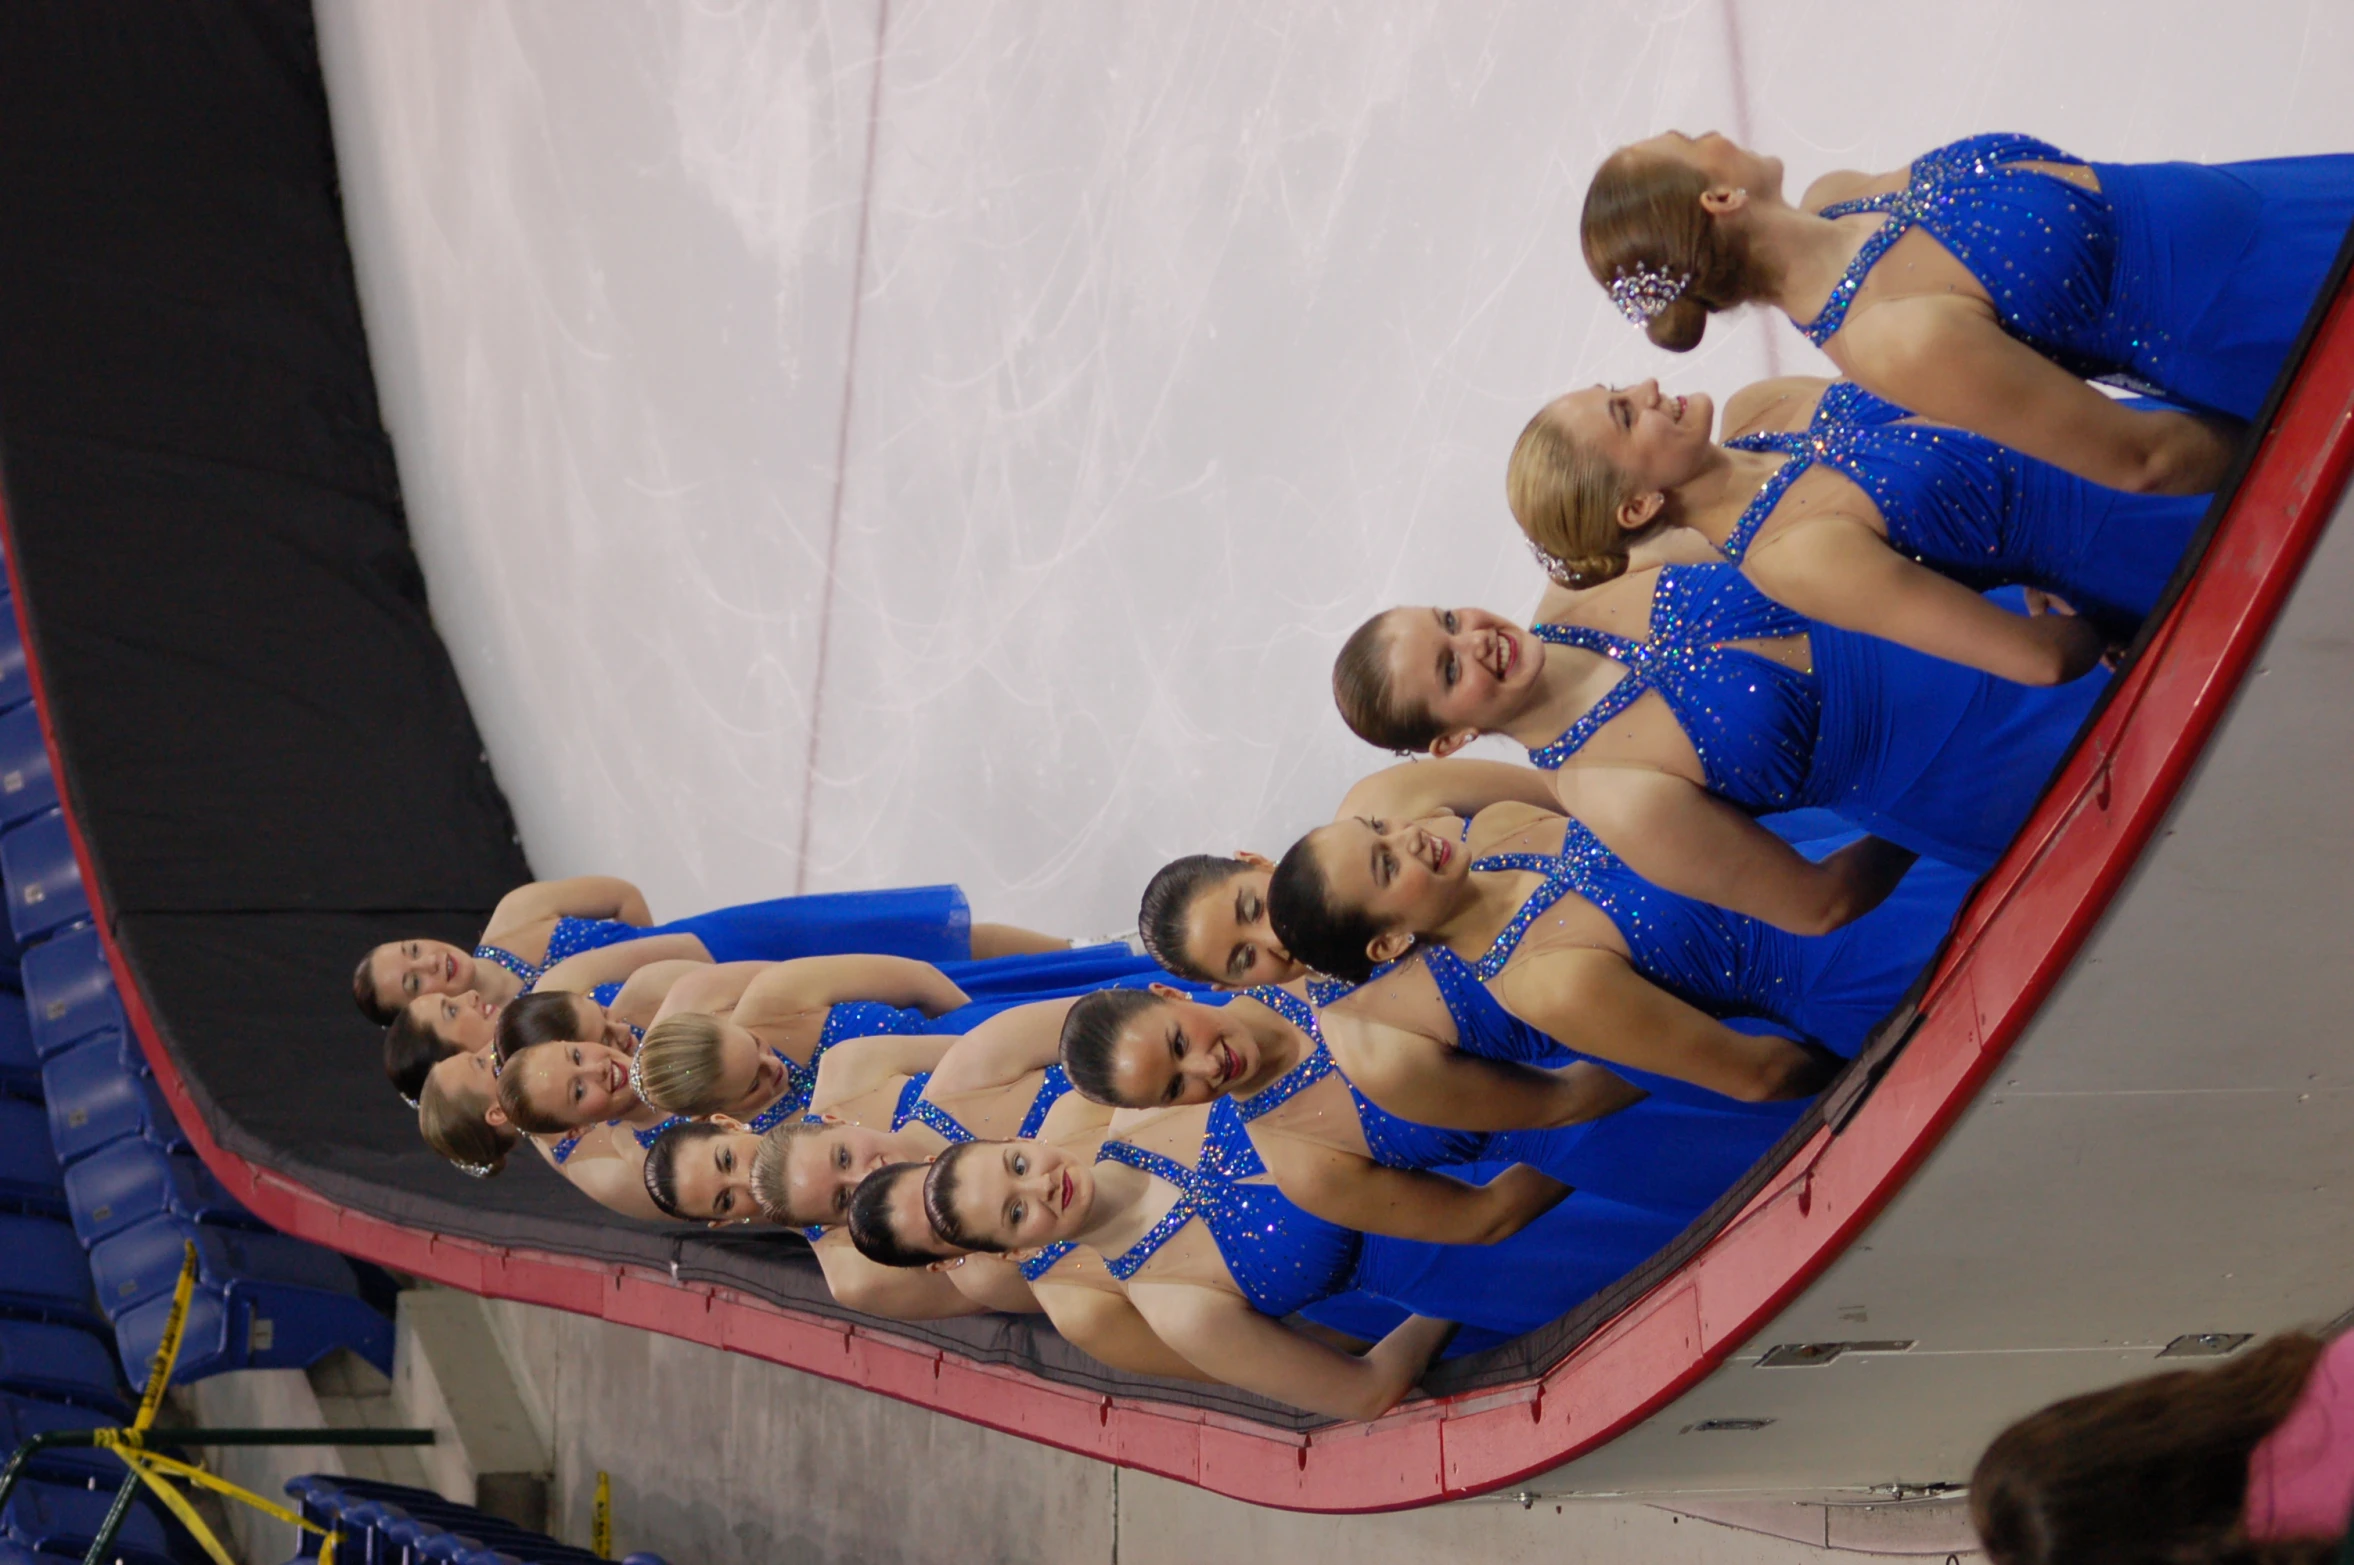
264	737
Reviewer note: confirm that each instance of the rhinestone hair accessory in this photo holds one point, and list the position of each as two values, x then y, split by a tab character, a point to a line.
637	1078
473	1170
1556	568
1641	291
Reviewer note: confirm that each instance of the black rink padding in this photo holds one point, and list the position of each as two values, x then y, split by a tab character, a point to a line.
262	733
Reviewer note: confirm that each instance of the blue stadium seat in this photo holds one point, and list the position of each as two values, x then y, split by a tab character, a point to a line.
44	883
59	1363
26	788
56	1520
116	1186
161	1127
29	1176
44	1275
133	1178
200	1198
21	1418
14	1553
16	687
92	1099
20	1064
69	991
278	1302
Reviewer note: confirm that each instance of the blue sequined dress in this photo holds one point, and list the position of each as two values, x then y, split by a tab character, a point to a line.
1830	989
1670	1157
2190	280
928	923
1936	757
1984	514
1283	1258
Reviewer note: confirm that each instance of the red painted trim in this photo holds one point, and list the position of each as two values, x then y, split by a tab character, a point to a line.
2018	934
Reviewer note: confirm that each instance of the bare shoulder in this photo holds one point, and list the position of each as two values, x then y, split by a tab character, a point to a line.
1783	405
1852	184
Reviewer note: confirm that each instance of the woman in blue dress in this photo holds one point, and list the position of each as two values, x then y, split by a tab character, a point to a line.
432	1027
1177	1210
594	929
1588	956
877	1101
1982	284
1867	518
1367	1110
1205	916
1675	706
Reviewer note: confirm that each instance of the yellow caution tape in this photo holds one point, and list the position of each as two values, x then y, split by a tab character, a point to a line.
601	1519
152	1466
167	1351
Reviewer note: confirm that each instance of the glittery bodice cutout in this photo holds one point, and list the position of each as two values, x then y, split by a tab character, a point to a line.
913	1105
570	937
1974	510
1393	1142
1752	720
1719	961
646	1137
1037	1266
844	1020
2044	248
1279	1256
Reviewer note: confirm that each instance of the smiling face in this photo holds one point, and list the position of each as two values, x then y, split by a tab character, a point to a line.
1021	1195
465	1023
576	1084
1472	671
714	1177
1179	1051
823	1166
406	969
1403	875
1655	441
1226	931
1723	162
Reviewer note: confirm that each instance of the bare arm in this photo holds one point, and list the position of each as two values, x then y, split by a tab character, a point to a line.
1225	1338
1842	572
712	989
1435	1083
994	1283
1107	1327
581	896
1003	1049
1680	836
1947	358
614	1183
856	1066
895	1292
788	988
620	961
1406	1203
1598	1005
1413	789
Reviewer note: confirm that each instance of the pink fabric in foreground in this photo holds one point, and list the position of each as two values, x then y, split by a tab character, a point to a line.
2301	1476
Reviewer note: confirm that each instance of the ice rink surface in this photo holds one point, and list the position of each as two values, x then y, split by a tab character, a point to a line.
858	444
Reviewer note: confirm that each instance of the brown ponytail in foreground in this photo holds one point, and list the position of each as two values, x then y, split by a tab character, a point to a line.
2153	1470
